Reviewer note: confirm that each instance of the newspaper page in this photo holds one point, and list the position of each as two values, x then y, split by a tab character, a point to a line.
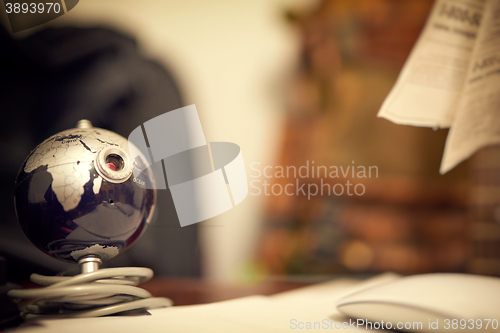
430	83
477	121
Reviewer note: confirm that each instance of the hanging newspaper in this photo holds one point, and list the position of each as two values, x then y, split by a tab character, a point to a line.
452	78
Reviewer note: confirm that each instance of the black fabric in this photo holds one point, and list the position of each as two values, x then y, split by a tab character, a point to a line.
51	80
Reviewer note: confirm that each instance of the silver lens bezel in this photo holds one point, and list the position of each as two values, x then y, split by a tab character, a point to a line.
108	174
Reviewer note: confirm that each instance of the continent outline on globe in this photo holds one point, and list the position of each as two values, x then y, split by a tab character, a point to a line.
67	193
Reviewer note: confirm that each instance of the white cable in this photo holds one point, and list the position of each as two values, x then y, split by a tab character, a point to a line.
100	293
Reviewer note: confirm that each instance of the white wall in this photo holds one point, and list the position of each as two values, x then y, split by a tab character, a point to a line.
233	59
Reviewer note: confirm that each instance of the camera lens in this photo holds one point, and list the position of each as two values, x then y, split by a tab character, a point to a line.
114	162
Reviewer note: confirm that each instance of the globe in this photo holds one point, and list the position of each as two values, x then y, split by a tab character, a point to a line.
79	193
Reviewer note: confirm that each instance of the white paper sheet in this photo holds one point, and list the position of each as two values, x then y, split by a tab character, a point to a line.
477	122
429	86
452	78
314	304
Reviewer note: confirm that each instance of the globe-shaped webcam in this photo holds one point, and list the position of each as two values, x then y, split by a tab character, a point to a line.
77	199
75	195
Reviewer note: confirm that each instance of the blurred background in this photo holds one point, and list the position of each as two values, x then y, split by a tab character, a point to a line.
291	82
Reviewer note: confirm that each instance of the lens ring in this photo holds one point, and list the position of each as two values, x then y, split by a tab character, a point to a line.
113	164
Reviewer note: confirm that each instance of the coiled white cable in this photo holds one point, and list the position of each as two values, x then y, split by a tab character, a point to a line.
94	294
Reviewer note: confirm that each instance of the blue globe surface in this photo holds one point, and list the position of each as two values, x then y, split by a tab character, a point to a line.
76	195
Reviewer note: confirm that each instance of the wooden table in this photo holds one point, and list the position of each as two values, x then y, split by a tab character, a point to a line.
184	291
